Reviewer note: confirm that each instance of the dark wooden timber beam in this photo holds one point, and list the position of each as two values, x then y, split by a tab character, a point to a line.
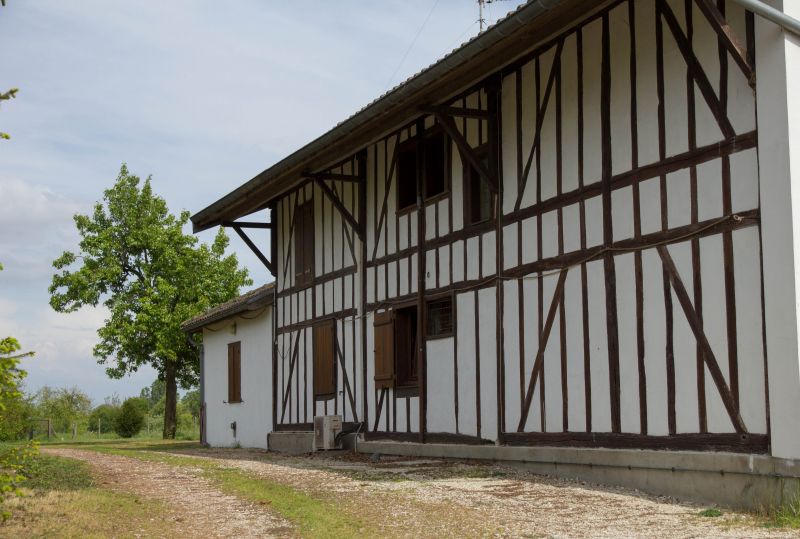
328	192
697	328
695	69
253	247
466	150
246	224
333	176
728	38
458	112
537	364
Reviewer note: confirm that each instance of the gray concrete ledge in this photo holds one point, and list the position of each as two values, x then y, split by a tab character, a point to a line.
730	479
292	442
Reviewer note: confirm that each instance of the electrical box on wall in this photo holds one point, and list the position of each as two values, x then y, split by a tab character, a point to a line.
326	427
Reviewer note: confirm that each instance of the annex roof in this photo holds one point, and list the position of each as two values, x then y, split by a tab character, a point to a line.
504	41
253	300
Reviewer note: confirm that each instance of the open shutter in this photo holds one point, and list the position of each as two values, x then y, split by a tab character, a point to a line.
325	360
384	349
230	373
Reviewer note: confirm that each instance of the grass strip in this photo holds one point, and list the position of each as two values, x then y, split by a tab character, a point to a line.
314	517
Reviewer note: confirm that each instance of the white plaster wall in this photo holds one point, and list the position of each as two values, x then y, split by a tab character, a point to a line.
253	416
778	88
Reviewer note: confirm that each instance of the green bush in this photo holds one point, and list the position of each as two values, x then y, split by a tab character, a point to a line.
106	414
130	419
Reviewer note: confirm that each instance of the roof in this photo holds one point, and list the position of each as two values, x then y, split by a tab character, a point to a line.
253	300
503	42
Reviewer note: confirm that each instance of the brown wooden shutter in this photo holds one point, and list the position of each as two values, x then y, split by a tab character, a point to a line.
235	372
384	349
325	360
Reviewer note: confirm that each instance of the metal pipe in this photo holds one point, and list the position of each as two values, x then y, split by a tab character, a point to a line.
771	14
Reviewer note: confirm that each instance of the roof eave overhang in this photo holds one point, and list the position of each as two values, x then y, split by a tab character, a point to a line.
509	38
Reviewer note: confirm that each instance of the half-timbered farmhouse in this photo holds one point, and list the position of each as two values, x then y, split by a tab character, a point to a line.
571	242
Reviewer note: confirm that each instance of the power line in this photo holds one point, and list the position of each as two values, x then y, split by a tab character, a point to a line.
413	42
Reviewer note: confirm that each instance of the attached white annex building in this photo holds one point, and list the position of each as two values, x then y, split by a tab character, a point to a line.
236	370
574	241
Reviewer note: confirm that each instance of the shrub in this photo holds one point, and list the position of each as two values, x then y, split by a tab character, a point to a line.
130	419
106	414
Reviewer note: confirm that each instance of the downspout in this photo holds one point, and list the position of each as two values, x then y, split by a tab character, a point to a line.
202	352
790	24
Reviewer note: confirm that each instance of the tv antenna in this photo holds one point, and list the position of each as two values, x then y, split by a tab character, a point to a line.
481	4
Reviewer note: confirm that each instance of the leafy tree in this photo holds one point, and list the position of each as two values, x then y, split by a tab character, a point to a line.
104	418
136	260
5	96
191	403
13	461
130	419
154	393
63	406
11	375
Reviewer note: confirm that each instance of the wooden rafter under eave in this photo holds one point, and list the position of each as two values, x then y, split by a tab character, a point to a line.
238	228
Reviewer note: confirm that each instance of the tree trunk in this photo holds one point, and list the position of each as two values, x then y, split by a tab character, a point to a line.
170	409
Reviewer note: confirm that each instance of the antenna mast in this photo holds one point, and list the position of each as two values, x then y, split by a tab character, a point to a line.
481	4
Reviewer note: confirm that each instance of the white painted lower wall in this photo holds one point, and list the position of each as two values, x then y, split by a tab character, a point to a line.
253	416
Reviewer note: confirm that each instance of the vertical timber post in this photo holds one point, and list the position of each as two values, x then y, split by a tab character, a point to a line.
493	90
361	160
421	323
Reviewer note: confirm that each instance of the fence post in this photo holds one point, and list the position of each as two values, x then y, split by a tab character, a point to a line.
49	429
74	430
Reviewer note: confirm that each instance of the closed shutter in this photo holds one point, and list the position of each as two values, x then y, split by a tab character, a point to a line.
235	372
384	349
325	360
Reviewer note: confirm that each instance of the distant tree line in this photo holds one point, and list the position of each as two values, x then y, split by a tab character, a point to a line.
66	407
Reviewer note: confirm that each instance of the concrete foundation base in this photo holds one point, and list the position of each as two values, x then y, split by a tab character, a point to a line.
726	479
293	442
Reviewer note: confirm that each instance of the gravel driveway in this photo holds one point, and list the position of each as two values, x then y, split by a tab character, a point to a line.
417	498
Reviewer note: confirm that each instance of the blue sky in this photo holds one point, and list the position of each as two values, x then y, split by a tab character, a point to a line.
200	94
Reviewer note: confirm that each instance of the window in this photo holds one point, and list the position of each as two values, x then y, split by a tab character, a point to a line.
304	244
478	196
440	318
396	348
434	170
325	360
234	372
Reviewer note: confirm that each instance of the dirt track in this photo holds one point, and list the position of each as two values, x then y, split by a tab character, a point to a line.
413	499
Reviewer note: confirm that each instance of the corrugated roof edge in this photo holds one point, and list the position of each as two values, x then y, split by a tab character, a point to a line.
504	27
253	300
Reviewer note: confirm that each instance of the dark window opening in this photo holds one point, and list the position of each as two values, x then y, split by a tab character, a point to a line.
435	164
304	244
405	346
479	198
407	175
440	318
325	360
234	372
434	168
